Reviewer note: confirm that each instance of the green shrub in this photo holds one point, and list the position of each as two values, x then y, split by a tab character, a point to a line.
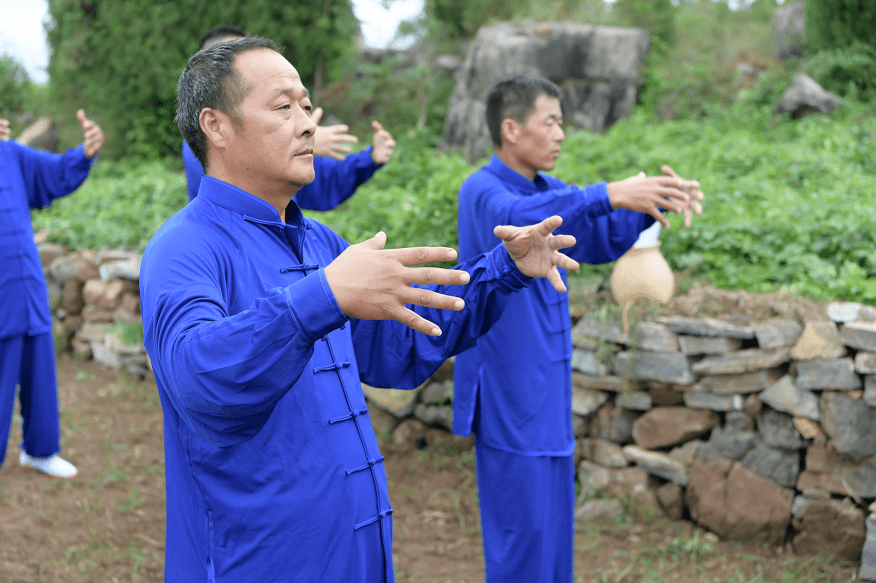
836	24
847	71
14	86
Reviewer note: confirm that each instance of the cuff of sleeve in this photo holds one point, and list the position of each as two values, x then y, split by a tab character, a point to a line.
313	304
367	161
512	278
83	162
601	202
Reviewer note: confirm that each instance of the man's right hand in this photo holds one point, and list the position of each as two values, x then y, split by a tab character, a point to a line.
373	283
647	194
331	141
4	129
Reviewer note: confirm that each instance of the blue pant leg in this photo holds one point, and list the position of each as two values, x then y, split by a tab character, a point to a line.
10	369
39	397
527	516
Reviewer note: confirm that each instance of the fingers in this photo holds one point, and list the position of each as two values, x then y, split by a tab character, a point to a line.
561	242
410	256
556	281
376	126
316	115
80	115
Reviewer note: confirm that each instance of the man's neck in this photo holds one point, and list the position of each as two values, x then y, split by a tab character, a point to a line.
278	196
514	163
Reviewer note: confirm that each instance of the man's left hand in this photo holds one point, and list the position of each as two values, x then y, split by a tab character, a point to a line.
535	249
383	144
4	129
693	190
93	134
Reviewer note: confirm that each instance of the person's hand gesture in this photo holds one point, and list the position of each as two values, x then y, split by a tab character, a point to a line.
4	129
331	141
93	134
535	249
383	144
647	194
692	187
373	283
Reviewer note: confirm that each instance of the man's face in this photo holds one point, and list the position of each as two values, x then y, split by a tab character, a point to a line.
540	138
273	145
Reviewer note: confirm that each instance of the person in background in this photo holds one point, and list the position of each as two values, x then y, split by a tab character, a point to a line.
514	389
32	179
338	172
261	325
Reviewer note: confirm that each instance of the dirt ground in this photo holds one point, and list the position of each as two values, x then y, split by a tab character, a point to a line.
108	523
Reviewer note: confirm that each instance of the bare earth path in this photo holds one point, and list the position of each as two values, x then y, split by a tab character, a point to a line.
107	525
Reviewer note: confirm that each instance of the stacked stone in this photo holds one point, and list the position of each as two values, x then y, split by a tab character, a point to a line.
764	432
95	299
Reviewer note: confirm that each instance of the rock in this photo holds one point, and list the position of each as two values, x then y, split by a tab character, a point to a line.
707	327
777	430
842	312
79	266
613	424
399	403
785	396
778	334
747	382
49	252
591	328
728	443
789	28
92	332
737	504
123	316
831	528
117	344
836	373
409	432
671	499
611	383
437	393
435	415
819	340
596	67
667	367
663	395
657	464
124	269
867	572
826	471
780	466
598	509
655	337
860	335
105	356
635	400
708	345
445	371
447	63
41	134
71	294
712	402
92	314
588	363
585	402
743	361
604	453
865	363
668	426
806	96
851	425
870	390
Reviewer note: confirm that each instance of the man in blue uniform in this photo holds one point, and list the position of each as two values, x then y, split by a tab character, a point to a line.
338	173
260	324
32	179
513	390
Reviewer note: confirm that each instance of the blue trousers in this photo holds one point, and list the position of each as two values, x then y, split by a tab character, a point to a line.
527	516
29	362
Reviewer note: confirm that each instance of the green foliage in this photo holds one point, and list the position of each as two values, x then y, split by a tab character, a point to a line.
837	24
14	86
848	71
120	205
655	16
121	59
465	17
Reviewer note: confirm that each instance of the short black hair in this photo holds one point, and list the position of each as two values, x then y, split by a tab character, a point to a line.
220	32
210	79
515	97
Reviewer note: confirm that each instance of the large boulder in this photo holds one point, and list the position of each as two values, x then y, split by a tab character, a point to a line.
596	67
806	96
41	134
789	25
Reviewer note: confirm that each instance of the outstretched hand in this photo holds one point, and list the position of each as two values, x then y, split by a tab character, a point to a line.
93	134
535	249
331	141
383	144
4	129
647	194
373	283
692	187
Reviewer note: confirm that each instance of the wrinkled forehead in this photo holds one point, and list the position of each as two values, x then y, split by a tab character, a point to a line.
267	73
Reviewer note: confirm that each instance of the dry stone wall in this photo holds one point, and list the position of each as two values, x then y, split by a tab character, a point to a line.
757	432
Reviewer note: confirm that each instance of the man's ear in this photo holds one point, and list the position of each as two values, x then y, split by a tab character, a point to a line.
215	125
510	131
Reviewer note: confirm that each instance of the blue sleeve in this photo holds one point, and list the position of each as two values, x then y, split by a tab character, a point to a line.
602	234
336	180
48	176
194	171
390	354
224	373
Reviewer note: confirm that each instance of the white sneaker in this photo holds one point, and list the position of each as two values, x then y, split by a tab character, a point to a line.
54	466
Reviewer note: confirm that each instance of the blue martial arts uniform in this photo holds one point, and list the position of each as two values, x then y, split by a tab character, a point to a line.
29	179
514	389
334	181
272	467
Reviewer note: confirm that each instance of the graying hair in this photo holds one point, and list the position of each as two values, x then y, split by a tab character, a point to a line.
210	79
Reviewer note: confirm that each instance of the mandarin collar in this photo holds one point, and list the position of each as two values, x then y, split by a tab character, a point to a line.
245	204
509	175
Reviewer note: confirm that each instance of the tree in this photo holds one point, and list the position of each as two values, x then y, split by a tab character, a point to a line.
839	24
14	86
121	59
